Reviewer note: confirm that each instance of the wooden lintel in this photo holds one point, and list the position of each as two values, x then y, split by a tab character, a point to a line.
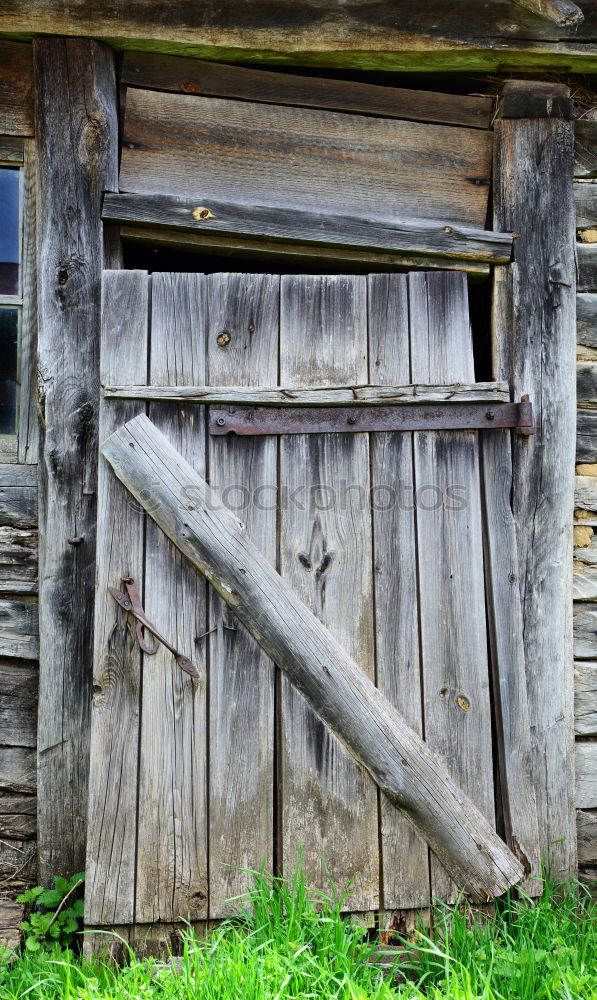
562	12
534	99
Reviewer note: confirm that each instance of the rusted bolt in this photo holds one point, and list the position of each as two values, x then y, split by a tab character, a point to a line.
201	212
490	415
448	229
220	421
223	338
251	328
463	703
76	540
189	86
352	420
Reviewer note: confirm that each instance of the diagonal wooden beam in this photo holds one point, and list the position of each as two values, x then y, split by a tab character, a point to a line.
562	12
216	543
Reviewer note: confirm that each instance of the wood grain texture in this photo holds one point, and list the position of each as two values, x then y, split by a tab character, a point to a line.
11	149
586	435
216	543
18	704
534	99
534	346
367	395
16	89
246	308
585	148
195	147
586	384
587	267
173	819
112	817
585	493
18	815
405	856
450	556
586	831
329	803
75	95
586	320
585	698
586	775
305	33
194	76
562	12
585	199
18	506
19	634
18	864
584	581
18	475
584	624
372	229
18	770
18	561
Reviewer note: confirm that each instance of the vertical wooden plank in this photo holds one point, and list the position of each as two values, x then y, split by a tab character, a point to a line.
405	856
28	417
242	350
172	837
112	822
450	554
77	158
534	348
329	803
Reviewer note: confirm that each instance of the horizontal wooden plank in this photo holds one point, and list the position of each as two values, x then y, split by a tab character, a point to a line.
18	770
585	492
584	582
12	149
16	89
18	561
19	629
586	829
18	475
587	267
586	775
365	395
292	255
194	76
586	384
585	199
586	435
203	148
18	815
18	704
305	33
11	915
586	320
18	506
374	233
584	625
18	865
585	148
585	698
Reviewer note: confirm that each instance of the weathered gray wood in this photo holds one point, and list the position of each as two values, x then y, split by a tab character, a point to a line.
534	99
75	110
587	267
562	12
18	475
405	856
18	506
28	430
216	543
586	384
19	635
585	148
534	347
585	200
519	807
452	37
17	770
586	775
455	668
584	581
369	228
329	803
294	255
584	624
586	320
11	149
193	76
586	435
11	915
16	96
585	698
18	865
18	561
18	704
242	348
112	818
586	831
264	155
173	818
369	395
18	815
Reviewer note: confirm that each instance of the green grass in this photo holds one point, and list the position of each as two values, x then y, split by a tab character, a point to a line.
290	944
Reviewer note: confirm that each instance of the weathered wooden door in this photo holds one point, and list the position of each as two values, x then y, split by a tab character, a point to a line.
381	535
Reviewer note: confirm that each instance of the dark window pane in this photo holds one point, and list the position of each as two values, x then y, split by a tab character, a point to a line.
9	231
9	338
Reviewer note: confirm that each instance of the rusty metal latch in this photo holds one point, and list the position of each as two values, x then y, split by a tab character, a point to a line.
132	604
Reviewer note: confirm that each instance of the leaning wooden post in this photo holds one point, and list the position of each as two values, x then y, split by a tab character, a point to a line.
77	158
534	348
216	543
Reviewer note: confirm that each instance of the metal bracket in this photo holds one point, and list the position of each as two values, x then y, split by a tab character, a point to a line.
448	416
132	604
